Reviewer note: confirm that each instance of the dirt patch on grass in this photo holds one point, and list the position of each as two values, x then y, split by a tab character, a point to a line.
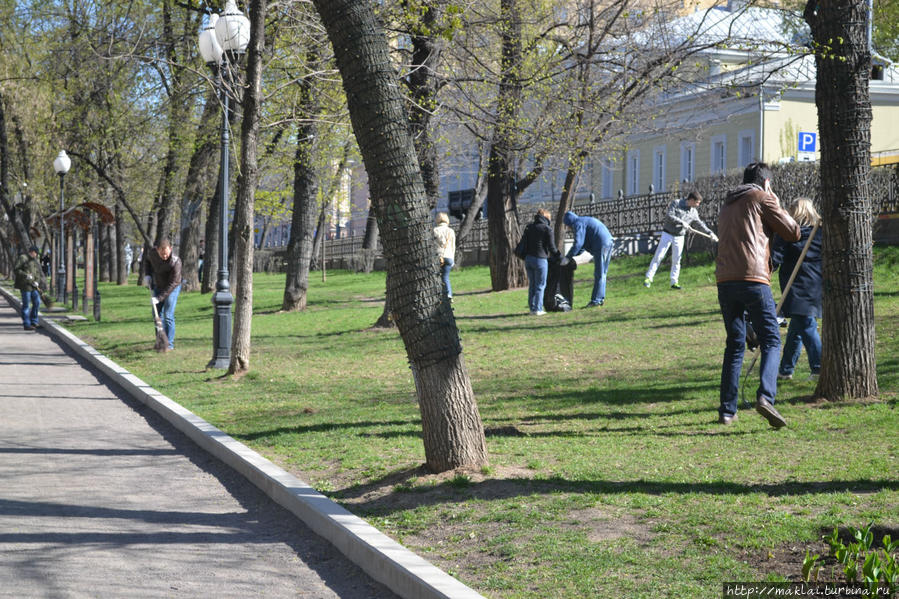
605	525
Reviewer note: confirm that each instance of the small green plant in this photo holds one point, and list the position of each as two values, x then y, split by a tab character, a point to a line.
810	567
879	567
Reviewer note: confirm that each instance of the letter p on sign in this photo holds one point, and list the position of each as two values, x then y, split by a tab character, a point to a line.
807	141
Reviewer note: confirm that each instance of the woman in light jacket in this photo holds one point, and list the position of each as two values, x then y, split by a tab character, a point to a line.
446	250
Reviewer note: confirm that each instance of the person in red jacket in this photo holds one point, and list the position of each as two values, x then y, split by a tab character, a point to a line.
750	215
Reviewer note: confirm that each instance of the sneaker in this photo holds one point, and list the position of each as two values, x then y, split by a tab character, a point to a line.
539	312
533	313
813	377
764	407
784	377
676	286
593	304
647	282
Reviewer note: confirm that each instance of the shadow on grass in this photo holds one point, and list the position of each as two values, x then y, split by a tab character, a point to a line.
500	489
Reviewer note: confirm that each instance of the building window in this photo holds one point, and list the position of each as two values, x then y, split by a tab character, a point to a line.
658	168
687	161
633	172
608	180
747	147
718	153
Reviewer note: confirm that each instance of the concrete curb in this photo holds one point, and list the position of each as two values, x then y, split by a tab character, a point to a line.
382	558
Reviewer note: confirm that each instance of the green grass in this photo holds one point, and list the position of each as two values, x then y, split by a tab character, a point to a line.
608	473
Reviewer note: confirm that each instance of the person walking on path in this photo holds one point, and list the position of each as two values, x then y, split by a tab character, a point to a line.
29	280
743	272
446	250
681	216
592	235
163	277
539	247
802	303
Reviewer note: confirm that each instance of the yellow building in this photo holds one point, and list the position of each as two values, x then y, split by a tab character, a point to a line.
754	101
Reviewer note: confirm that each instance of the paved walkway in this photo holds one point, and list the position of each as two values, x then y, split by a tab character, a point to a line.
100	497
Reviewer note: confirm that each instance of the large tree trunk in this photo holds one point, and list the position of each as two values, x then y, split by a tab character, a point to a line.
198	184
843	64
15	217
422	84
246	192
453	434
503	230
302	226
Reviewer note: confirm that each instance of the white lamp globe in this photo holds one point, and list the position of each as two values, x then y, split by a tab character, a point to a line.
210	49
232	29
62	163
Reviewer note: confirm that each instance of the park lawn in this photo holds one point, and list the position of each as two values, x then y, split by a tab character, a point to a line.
608	475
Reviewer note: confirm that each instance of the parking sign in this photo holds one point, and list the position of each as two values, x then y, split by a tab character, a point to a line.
807	141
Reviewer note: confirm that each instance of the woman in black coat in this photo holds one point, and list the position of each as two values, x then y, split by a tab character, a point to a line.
539	246
803	301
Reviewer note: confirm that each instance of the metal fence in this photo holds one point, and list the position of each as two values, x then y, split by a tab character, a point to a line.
633	220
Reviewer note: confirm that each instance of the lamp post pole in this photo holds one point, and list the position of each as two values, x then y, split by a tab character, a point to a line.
222	298
221	42
61	165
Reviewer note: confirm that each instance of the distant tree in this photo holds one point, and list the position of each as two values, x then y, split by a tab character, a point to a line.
843	62
453	434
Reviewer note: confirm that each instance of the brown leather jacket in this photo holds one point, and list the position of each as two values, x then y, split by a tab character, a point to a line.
747	219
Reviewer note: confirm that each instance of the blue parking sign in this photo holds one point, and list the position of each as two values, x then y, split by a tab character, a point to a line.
807	141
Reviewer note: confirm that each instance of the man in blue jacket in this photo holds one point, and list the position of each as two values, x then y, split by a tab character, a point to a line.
593	236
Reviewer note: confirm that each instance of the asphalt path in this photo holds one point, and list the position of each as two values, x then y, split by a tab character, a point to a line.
101	498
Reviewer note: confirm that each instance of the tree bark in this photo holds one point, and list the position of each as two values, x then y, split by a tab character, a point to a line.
198	183
453	433
503	229
121	266
843	63
302	226
246	191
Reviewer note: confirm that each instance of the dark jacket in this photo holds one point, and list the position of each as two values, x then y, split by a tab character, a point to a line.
748	219
538	239
804	297
166	273
589	234
28	274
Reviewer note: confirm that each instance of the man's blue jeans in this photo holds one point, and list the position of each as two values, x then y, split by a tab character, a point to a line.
600	270
445	272
31	303
803	330
167	314
537	269
754	299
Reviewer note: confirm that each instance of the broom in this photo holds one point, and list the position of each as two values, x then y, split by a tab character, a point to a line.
162	340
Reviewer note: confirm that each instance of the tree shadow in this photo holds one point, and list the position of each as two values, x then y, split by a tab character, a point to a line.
500	489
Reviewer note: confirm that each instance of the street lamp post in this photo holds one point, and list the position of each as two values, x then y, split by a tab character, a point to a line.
221	42
61	165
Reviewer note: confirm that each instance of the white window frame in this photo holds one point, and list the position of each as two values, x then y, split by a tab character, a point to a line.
659	165
688	161
633	172
715	166
745	160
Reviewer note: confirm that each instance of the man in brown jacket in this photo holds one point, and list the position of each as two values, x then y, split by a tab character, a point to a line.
162	270
749	216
